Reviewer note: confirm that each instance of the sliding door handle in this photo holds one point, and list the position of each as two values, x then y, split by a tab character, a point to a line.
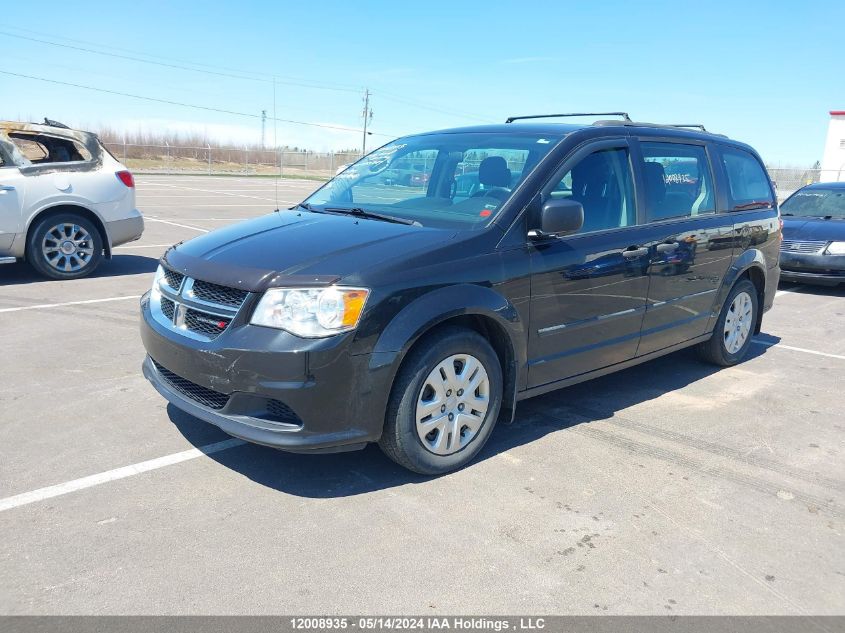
6	188
631	253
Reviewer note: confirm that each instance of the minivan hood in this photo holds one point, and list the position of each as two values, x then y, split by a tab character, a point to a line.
293	248
813	229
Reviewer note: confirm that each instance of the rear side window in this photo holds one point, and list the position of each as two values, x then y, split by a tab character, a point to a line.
748	183
43	148
678	181
30	148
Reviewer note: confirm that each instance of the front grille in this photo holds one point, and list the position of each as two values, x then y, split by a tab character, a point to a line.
209	325
278	411
214	293
201	310
199	394
168	308
805	247
173	279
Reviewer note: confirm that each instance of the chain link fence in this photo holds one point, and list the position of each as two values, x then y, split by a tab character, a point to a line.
787	180
180	159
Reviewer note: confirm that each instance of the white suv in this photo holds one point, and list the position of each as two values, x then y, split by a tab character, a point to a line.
65	201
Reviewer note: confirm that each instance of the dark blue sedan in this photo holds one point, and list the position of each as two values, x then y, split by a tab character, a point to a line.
813	247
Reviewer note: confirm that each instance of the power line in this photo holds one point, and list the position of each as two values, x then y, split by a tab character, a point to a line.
298	83
235	73
416	104
188	105
270	76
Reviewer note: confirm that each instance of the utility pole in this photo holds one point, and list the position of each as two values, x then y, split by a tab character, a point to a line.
368	117
263	126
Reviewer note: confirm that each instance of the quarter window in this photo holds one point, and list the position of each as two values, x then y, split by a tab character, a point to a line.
748	183
603	184
678	182
43	148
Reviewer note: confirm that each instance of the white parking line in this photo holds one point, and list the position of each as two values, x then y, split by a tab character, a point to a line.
118	248
49	492
798	349
218	191
41	306
215	219
214	205
184	226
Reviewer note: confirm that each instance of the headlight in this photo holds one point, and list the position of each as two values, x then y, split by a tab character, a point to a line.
156	292
835	248
311	312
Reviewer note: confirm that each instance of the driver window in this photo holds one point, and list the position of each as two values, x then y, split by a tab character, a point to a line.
603	184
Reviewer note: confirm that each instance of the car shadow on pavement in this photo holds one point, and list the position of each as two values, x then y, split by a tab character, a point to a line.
813	289
353	473
118	266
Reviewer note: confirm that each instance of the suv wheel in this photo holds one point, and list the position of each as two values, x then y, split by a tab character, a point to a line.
444	403
65	246
735	327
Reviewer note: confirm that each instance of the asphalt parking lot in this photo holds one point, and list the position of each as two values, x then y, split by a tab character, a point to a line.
671	488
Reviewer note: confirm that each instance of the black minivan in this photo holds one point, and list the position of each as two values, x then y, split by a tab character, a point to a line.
524	258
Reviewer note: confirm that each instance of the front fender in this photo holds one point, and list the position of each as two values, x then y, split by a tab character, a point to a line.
437	306
442	304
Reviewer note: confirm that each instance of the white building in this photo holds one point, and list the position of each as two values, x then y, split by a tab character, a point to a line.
833	160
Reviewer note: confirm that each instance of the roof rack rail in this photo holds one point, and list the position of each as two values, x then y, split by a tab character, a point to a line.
511	119
52	123
697	126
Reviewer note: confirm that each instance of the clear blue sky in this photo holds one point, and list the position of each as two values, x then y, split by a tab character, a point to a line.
763	72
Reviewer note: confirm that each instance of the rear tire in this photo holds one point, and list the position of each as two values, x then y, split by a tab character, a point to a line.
444	402
734	328
64	246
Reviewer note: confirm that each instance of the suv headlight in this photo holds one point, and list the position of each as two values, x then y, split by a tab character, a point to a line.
835	248
156	291
311	312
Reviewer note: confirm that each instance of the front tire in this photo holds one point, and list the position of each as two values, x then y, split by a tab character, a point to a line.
444	403
734	328
65	246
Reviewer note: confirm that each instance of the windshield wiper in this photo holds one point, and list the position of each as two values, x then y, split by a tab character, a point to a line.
358	212
307	206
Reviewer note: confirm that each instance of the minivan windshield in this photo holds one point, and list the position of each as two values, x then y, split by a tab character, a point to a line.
816	203
448	180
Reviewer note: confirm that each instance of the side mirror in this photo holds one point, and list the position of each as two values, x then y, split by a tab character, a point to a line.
559	217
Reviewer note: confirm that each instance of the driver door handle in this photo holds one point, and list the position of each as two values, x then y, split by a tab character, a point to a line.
635	252
6	188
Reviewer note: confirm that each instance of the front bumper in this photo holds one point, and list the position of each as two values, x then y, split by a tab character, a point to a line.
330	399
827	270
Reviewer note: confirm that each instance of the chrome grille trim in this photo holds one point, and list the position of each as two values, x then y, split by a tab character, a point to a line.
178	309
173	279
806	247
215	294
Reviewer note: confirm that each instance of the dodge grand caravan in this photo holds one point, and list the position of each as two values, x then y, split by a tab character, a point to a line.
417	314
